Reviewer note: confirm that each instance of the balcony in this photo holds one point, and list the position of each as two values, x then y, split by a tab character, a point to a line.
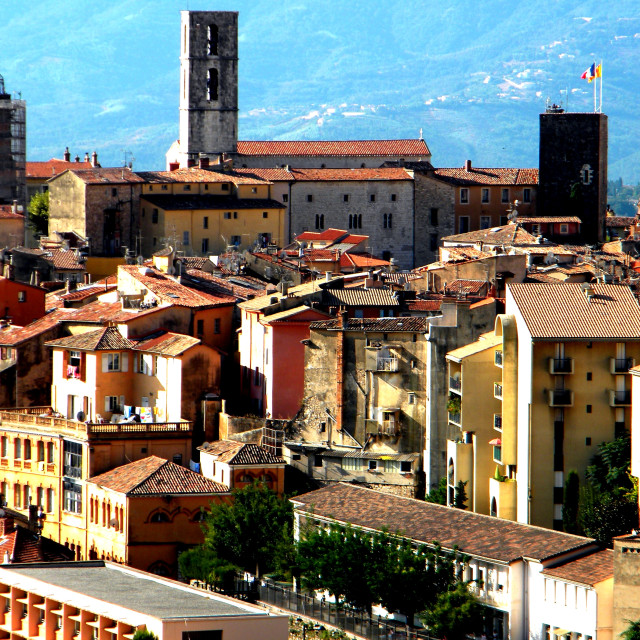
455	384
494	597
386	364
560	398
497	358
497	421
621	365
620	398
454	418
560	366
497	391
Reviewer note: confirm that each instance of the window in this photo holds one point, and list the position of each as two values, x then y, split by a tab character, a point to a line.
146	368
235	215
433	241
372	197
113	361
22	296
114	192
355	221
224	186
26	494
216	325
386	255
159	516
504	220
485	195
564	228
27	449
17	449
317	460
345	197
589	408
205	245
463	224
227	215
40	451
464	195
320	221
200	328
50	500
5	446
17	496
236	240
412	398
185	238
186	187
50	452
526	195
285	197
265	214
373	465
212	40
387	221
504	197
587	442
394	197
164	187
352	464
309	198
433	217
205	222
72	497
73	459
154	216
254	189
405	466
212	84
589	376
485	222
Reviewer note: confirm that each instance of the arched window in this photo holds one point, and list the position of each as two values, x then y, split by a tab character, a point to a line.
494	507
350	221
159	568
212	40
159	516
451	471
40	451
199	516
212	85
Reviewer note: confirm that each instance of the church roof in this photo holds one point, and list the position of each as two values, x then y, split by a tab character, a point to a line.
374	148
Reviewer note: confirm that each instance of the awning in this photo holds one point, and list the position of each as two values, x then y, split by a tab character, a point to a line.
561	632
496	442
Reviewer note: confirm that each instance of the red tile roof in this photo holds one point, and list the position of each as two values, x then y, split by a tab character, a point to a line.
563	312
424	305
340	148
13	336
154	476
466	286
426	522
388	325
619	221
272	175
195	174
361	260
330	235
335	175
239	453
107	339
51	168
548	219
6	213
61	259
497	176
589	570
104	175
85	292
21	545
166	343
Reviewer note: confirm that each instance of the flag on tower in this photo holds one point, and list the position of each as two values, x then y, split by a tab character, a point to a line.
590	73
598	73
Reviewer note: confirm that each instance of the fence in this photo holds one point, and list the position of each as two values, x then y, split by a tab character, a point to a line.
357	622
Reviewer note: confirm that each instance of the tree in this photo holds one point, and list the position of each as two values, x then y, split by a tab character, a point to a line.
455	614
38	210
632	632
252	531
460	495
144	634
438	494
571	502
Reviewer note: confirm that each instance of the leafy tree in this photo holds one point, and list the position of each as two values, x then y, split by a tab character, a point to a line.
197	563
38	210
438	494
252	531
632	632
144	634
460	495
609	468
571	502
455	614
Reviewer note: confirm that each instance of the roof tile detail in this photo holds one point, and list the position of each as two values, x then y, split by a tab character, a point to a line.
239	453
497	176
340	148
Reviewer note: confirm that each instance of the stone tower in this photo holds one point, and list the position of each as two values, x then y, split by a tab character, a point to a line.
573	169
208	85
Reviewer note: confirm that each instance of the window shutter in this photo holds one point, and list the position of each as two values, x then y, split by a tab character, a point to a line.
125	361
105	364
135	363
122	403
83	367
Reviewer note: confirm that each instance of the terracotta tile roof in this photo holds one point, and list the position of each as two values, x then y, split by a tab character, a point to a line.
239	453
340	148
480	176
179	202
328	236
155	476
473	287
194	262
13	336
51	168
536	276
485	536
226	286
619	221
6	213
338	175
564	312
360	297
101	312
195	175
166	343
361	260
424	305
548	219
107	175
509	234
61	259
386	325
107	339
21	545
86	292
589	570
272	175
170	291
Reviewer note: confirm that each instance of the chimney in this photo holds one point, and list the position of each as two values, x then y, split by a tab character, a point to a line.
77	159
467	165
7	524
14	207
67	156
174	166
203	162
94	159
86	157
191	163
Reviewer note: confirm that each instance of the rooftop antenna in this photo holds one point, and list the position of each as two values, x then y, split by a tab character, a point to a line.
126	153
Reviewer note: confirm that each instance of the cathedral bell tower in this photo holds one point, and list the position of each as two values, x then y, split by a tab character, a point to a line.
208	85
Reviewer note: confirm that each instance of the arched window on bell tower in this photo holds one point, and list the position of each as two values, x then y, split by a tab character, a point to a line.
212	40
212	85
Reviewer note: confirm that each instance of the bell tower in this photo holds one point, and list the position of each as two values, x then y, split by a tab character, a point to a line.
208	85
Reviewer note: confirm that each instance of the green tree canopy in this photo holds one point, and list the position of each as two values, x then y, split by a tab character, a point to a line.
438	494
38	211
455	614
632	632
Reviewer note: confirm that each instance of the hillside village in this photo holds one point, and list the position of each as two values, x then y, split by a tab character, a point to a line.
342	321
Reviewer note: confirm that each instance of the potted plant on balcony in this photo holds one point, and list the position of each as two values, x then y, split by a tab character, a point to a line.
454	404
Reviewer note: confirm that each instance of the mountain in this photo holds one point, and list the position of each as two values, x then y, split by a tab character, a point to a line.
473	76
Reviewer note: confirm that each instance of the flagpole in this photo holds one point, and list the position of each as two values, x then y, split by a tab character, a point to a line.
600	86
595	84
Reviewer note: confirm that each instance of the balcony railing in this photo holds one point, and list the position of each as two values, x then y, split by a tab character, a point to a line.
497	358
455	418
498	598
621	365
387	364
455	384
560	366
620	398
560	398
497	391
497	421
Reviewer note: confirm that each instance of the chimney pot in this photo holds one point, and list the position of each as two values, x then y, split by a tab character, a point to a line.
94	159
86	157
67	155
467	165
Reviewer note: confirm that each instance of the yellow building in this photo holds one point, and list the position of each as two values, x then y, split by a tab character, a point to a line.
202	212
558	385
